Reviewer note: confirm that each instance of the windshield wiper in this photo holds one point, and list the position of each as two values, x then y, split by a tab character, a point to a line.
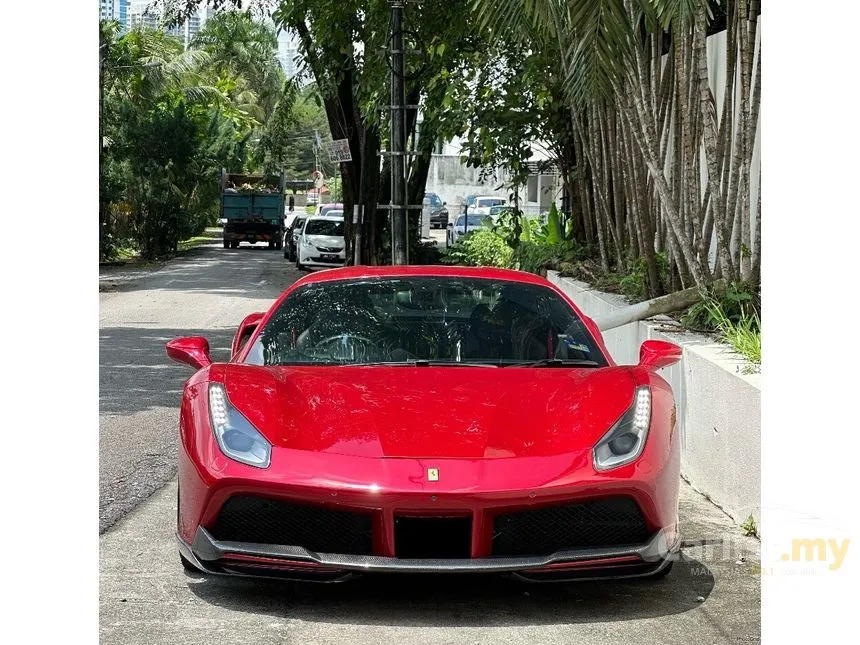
557	362
422	362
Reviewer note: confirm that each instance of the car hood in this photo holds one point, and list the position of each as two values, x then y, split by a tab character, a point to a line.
426	412
325	240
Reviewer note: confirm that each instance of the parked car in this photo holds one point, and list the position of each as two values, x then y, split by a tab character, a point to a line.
291	236
462	226
324	432
483	204
322	242
322	209
438	212
497	211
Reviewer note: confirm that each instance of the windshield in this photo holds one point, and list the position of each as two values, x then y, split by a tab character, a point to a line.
446	319
434	199
298	223
319	226
474	220
483	203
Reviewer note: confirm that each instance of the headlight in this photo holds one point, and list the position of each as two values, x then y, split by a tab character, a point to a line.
305	241
237	438
626	438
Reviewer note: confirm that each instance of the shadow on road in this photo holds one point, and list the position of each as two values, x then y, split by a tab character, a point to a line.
441	601
135	373
203	269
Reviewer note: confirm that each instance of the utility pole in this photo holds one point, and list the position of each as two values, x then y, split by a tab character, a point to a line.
102	209
398	138
316	147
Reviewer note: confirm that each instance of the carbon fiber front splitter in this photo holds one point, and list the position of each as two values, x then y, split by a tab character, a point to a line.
292	562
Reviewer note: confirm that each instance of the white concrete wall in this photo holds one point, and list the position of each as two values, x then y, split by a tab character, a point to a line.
719	407
453	181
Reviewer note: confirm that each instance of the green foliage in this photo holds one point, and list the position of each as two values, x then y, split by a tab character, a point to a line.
482	247
426	253
744	335
733	314
733	304
749	527
535	244
171	119
634	283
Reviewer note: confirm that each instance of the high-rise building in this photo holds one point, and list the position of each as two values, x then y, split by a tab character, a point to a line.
288	48
114	10
147	14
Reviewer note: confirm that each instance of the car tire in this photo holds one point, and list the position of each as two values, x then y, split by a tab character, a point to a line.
226	244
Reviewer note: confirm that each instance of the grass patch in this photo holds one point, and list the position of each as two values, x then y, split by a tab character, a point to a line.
124	254
749	527
192	242
743	334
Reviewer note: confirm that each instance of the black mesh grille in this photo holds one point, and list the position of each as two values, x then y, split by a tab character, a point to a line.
615	521
246	518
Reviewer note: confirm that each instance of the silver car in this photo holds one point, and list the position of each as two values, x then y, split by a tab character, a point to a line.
462	226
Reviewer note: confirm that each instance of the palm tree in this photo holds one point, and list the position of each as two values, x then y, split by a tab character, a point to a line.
245	50
144	63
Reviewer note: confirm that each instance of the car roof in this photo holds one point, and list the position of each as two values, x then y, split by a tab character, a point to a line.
326	218
416	270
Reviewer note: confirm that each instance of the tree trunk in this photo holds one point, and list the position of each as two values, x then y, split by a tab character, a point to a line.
662	305
645	138
708	110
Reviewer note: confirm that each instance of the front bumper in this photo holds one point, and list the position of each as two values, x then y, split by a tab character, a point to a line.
439	219
314	257
292	562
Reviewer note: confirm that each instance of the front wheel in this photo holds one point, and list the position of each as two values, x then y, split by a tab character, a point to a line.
226	244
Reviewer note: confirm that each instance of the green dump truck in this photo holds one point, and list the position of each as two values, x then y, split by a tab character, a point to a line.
252	209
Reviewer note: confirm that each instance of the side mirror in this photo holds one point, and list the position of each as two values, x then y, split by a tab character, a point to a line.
191	350
655	354
247	327
450	224
444	203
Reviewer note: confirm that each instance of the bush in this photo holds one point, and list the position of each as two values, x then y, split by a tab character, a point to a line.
744	334
482	247
736	303
634	284
427	253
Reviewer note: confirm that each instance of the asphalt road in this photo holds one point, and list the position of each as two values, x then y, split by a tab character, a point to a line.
711	596
207	293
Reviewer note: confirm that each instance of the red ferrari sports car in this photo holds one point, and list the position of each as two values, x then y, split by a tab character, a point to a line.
426	419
